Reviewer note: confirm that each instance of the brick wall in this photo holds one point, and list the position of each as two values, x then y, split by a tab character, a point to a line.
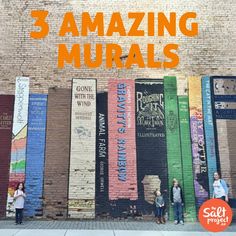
212	52
57	154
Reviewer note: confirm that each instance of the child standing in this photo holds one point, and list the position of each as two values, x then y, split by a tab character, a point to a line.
160	204
177	201
19	200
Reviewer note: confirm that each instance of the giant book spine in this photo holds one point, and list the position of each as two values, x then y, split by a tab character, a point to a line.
200	169
209	130
101	199
150	143
121	152
6	121
172	132
35	154
19	135
224	112
81	200
56	169
185	141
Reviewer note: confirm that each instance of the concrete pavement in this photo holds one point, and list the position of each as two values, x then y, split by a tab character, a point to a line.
54	232
105	228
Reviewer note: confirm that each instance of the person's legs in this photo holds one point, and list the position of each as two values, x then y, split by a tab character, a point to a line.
176	212
180	212
17	216
158	215
155	211
159	212
20	215
162	215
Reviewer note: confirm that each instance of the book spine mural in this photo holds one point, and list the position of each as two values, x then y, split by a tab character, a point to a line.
81	202
6	121
150	143
200	170
56	169
209	131
224	109
19	135
122	155
35	154
172	132
102	200
185	141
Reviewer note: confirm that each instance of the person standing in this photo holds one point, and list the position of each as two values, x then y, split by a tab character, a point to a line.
177	201
160	205
220	188
19	201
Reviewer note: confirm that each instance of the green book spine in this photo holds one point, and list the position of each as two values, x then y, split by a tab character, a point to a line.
172	133
188	187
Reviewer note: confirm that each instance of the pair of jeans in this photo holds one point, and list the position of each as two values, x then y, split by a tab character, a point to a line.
178	211
19	215
159	211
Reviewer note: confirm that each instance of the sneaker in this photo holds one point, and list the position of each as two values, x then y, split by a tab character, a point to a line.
176	222
181	222
16	223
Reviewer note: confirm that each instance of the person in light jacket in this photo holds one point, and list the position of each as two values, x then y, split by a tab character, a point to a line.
19	201
177	201
220	188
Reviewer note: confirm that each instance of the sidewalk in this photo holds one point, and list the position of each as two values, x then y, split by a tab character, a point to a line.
105	228
54	232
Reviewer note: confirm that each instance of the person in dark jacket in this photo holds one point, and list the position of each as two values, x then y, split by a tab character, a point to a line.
177	201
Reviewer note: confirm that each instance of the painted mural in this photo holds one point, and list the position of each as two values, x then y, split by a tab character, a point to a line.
35	155
19	135
81	202
150	143
103	155
200	168
6	121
